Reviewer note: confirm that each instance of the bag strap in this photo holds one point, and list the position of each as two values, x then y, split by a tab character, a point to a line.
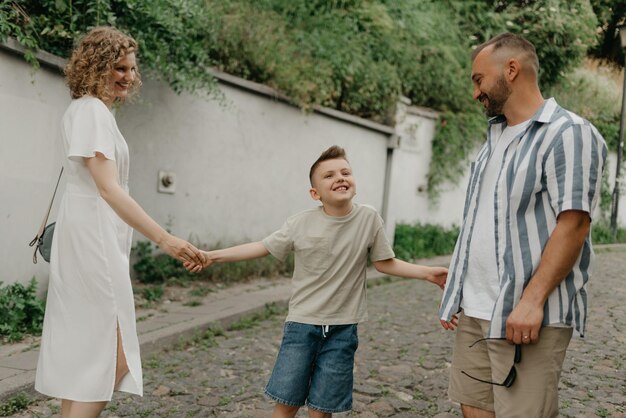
45	219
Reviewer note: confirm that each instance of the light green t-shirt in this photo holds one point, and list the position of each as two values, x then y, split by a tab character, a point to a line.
328	285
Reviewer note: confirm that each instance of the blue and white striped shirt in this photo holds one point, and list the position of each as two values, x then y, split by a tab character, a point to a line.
554	165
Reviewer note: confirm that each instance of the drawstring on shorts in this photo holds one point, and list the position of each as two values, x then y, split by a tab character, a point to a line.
325	329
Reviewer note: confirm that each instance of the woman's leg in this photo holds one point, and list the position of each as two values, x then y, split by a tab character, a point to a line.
121	368
66	406
85	409
74	409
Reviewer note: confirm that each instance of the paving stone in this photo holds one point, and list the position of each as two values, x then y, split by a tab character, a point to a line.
401	368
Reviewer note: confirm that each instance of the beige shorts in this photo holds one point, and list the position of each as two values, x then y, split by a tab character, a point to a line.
534	392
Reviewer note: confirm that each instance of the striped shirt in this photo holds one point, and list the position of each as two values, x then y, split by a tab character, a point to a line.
554	165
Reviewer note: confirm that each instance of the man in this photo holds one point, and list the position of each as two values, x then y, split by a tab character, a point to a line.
520	268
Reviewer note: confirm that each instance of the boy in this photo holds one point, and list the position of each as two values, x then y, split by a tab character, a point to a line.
331	244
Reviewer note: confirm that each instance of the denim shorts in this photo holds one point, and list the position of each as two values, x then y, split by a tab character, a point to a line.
315	367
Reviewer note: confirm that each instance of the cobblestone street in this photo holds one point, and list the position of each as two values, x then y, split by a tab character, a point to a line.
401	368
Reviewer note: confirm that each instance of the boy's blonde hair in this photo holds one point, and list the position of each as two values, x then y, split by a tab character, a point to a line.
87	71
332	153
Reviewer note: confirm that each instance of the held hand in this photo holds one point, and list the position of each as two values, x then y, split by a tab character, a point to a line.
438	276
451	324
208	260
184	252
524	323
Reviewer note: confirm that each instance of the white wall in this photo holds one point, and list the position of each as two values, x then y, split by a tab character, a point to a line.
31	106
408	195
241	169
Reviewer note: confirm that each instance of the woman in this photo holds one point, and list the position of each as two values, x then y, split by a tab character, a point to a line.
89	345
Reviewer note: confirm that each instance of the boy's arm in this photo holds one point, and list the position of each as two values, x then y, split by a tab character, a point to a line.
238	253
395	267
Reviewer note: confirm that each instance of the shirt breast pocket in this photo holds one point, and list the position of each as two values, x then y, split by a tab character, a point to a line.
313	253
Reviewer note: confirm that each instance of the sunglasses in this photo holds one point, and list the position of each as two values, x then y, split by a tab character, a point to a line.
510	378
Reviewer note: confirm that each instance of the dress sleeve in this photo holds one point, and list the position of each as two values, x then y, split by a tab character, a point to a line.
573	169
380	248
280	243
91	132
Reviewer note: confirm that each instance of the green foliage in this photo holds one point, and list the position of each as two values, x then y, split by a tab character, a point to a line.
171	33
15	405
152	293
594	92
355	56
21	311
562	31
270	310
601	233
151	268
423	240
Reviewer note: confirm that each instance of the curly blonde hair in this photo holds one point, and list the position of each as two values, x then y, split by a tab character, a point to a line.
91	63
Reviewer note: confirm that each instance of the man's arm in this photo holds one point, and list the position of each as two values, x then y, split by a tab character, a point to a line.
561	252
395	267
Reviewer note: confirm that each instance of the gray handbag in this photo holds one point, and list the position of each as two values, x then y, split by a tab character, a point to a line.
43	239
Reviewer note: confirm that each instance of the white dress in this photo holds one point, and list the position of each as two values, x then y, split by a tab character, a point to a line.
90	291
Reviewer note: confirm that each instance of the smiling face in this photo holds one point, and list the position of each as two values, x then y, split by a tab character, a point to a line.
122	76
333	183
490	86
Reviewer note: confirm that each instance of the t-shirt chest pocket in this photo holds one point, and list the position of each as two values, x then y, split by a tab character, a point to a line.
313	253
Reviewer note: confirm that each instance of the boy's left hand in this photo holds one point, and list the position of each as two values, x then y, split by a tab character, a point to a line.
438	276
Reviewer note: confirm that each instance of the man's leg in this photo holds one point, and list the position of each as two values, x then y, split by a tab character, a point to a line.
476	398
473	412
535	390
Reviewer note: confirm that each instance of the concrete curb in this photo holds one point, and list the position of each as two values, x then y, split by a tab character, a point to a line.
159	330
169	324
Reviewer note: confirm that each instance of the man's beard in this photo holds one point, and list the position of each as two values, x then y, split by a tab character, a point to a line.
497	98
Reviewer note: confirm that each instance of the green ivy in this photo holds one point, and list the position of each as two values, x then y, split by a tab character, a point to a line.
356	56
21	311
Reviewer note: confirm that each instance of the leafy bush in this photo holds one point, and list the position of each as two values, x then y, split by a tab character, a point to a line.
423	240
153	268
15	405
601	233
351	55
593	91
21	311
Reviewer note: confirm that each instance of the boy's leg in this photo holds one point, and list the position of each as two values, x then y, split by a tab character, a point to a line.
289	383
332	379
284	411
317	414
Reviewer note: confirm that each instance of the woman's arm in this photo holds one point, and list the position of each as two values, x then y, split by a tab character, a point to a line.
104	173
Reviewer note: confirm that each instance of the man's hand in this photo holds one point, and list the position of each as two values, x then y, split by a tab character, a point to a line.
451	324
524	323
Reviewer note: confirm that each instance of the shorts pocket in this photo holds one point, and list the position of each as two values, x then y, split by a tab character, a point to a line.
313	253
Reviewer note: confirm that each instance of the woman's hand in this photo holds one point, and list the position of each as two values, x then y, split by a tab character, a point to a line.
190	256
